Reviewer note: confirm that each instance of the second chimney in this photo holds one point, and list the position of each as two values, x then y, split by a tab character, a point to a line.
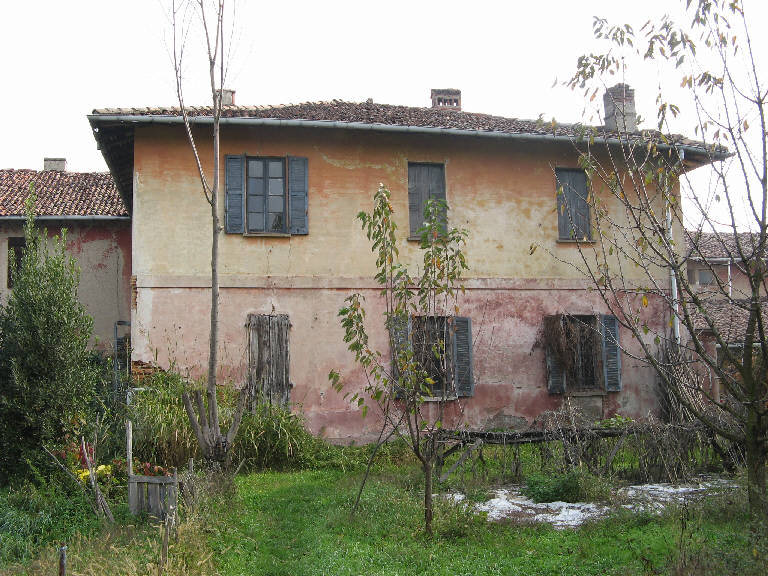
619	103
227	97
55	164
449	98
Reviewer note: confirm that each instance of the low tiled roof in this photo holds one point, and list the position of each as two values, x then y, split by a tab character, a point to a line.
729	317
60	193
371	113
720	244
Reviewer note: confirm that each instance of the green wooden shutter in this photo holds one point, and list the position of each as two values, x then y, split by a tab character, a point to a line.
462	356
611	352
580	206
555	375
298	185
418	188
400	330
424	181
573	220
233	203
563	206
437	188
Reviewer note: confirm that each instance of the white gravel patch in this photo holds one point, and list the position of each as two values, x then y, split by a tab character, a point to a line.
509	502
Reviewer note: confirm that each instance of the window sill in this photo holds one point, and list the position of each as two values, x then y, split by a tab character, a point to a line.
585	393
574	241
267	235
439	398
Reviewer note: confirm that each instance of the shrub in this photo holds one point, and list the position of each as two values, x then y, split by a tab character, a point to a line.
274	437
269	437
46	375
573	486
161	431
32	516
553	488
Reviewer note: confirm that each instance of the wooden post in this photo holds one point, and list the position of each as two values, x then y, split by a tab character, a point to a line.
132	496
63	560
129	446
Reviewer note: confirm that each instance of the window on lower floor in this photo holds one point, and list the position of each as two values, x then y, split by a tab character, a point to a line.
16	247
441	347
266	195
582	353
269	359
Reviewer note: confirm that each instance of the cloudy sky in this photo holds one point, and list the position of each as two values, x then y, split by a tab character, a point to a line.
60	60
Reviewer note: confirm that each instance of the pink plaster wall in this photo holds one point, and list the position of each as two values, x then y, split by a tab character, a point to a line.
510	373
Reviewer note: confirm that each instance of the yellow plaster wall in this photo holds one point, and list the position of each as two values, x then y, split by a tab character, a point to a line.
503	192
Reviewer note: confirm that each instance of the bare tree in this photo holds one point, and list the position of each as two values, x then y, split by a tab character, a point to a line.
205	423
714	346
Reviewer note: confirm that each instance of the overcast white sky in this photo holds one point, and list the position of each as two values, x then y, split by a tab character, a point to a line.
62	59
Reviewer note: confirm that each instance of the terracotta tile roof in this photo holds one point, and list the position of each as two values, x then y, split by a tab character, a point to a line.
720	245
729	317
114	127
371	113
60	193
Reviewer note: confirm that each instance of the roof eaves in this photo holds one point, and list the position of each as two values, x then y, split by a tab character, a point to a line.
123	118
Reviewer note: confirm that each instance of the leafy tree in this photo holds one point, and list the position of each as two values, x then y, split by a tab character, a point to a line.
411	391
639	262
46	373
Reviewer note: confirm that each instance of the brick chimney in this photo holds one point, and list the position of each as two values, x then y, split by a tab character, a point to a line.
619	103
448	98
55	164
227	97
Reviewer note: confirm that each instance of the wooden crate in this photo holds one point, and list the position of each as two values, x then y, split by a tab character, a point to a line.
156	495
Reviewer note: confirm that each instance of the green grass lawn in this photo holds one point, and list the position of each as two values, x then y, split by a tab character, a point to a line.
299	523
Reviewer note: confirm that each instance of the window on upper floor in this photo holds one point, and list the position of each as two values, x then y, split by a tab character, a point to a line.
16	245
441	346
425	181
573	214
582	353
266	195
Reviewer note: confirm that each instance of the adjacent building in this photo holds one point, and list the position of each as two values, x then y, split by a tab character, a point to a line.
98	235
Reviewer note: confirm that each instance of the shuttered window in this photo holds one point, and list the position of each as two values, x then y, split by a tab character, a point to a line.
424	181
573	216
442	347
592	359
266	195
269	359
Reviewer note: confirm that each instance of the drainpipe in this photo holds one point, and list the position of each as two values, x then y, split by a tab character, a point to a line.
730	280
673	285
115	363
672	277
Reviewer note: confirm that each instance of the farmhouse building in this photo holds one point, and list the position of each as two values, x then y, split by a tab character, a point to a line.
292	249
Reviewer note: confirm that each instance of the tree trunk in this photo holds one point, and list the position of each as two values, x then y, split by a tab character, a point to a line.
214	336
756	477
427	466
